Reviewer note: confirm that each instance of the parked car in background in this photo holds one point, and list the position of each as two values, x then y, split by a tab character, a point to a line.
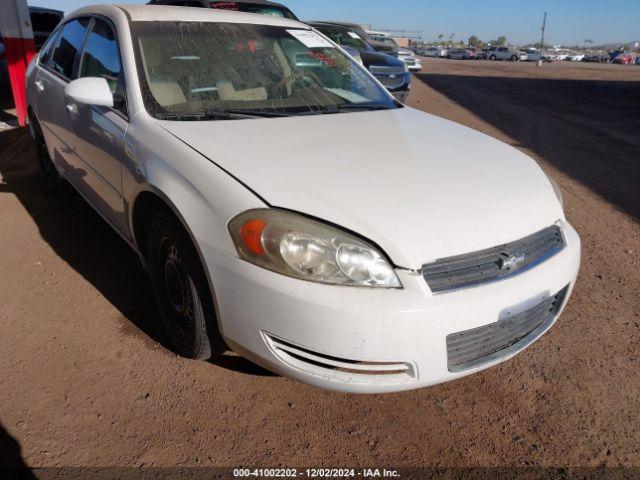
575	57
263	7
410	60
389	70
535	55
479	54
383	43
505	53
461	54
435	52
614	53
532	54
43	22
561	56
637	62
286	207
625	58
597	58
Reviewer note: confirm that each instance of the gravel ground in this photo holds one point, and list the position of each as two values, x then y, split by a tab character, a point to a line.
86	380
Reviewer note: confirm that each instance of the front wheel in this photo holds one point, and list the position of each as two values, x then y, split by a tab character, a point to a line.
181	289
514	58
492	57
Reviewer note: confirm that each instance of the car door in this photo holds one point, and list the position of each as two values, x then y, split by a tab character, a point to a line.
99	131
51	79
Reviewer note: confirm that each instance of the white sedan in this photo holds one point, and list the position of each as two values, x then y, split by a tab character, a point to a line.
288	208
412	62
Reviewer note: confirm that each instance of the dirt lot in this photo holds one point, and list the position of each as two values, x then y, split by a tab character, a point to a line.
86	381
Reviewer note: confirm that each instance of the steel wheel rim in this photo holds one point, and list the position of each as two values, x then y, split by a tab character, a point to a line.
177	285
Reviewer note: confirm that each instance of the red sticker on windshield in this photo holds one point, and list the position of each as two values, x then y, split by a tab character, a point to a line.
323	58
225	5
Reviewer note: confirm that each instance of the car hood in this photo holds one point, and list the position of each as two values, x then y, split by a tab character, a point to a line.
379	59
418	186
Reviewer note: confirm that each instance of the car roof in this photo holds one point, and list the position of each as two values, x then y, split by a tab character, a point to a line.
345	25
166	13
334	26
250	2
46	10
258	2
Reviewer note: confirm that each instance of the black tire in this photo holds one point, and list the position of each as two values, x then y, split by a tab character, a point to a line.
492	57
513	58
181	289
48	171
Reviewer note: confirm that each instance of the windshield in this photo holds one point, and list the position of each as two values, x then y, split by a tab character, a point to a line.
273	10
194	68
344	37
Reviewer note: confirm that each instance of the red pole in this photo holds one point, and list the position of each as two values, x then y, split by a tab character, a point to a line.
19	48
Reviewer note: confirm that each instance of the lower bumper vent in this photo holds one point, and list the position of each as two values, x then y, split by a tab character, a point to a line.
485	344
340	369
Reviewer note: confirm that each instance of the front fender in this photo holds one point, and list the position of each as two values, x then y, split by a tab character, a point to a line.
202	195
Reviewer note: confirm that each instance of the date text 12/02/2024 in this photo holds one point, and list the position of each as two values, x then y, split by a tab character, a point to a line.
315	473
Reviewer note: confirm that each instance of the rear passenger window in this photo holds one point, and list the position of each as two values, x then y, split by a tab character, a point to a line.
101	57
68	45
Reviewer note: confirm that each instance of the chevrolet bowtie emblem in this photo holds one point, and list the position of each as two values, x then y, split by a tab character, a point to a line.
509	262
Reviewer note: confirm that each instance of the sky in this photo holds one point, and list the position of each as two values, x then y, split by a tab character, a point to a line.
569	22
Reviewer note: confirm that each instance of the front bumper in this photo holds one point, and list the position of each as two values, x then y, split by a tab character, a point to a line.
371	340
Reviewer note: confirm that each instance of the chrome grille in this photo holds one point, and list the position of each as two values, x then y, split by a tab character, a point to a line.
493	263
481	345
391	82
381	70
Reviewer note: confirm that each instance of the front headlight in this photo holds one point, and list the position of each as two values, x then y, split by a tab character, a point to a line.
299	247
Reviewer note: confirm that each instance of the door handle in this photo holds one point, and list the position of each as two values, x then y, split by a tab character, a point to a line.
39	85
72	108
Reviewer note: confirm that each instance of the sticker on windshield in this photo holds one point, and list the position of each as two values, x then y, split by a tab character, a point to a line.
353	35
310	39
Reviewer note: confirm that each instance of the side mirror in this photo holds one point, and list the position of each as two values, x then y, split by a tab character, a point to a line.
90	91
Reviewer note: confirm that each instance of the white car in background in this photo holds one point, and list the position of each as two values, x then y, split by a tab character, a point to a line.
576	57
533	54
410	60
505	53
287	206
436	52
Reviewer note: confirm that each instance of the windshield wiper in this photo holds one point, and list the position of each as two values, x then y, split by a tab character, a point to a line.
348	107
244	112
219	114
